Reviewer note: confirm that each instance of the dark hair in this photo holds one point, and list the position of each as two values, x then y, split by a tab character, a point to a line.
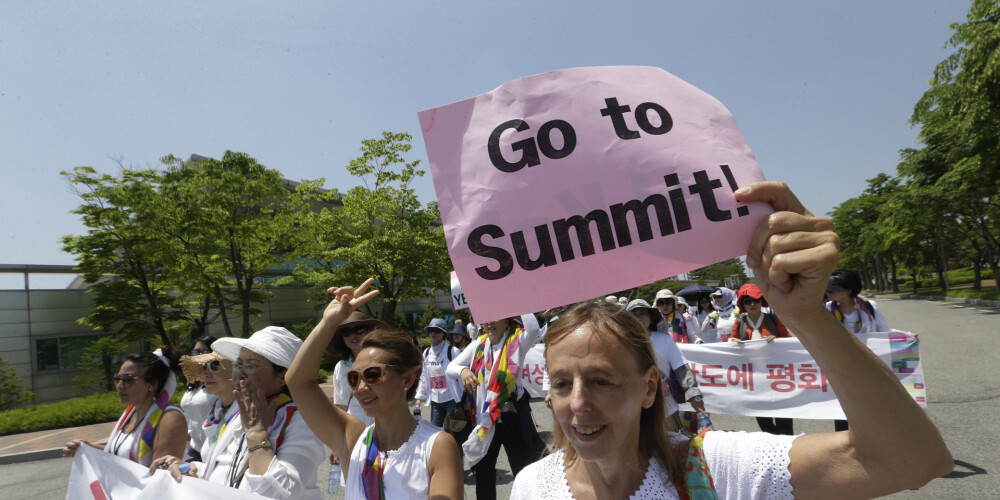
847	279
616	328
400	350
151	366
204	339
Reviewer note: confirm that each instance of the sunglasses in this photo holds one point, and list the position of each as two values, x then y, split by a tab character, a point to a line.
212	366
372	374
349	331
664	302
195	352
127	379
748	300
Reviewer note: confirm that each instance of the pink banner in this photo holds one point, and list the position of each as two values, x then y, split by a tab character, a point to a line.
568	185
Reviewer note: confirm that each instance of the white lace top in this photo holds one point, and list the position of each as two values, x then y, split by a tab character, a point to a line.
406	474
742	464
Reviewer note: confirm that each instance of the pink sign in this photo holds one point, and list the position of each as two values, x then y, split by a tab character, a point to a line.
568	185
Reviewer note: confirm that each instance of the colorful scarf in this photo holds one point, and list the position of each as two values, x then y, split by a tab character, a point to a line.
863	309
698	483
143	453
371	474
678	330
502	383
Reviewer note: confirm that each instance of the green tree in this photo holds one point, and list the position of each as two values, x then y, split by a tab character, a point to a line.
119	256
11	393
100	363
228	221
959	118
722	270
378	229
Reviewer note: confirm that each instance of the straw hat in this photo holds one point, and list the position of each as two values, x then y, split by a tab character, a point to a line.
192	366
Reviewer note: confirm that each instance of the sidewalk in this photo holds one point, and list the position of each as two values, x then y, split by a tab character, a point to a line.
42	445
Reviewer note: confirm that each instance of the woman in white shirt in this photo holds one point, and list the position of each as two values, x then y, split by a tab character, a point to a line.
503	415
435	387
197	401
398	456
612	441
269	450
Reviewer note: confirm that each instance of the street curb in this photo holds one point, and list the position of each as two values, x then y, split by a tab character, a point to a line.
992	304
30	456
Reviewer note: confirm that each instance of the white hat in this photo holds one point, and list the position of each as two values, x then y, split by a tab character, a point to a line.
664	294
682	301
623	300
275	343
611	298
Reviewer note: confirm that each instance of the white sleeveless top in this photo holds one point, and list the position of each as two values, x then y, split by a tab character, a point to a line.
127	445
406	474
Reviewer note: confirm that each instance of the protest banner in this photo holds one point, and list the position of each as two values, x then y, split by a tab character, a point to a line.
458	301
568	185
780	378
102	476
532	373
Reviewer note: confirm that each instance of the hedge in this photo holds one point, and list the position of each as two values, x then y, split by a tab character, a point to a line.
87	410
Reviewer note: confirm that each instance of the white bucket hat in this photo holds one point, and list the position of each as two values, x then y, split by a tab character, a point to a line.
275	343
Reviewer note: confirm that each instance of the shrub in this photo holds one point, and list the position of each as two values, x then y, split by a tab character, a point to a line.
11	394
322	376
87	410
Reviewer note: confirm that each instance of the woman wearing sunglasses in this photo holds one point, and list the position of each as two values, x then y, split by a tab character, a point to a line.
196	402
150	427
345	344
398	456
755	324
215	375
268	450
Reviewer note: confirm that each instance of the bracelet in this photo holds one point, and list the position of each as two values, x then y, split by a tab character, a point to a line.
263	444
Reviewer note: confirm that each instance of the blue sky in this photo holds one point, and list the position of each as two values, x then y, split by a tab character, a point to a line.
822	91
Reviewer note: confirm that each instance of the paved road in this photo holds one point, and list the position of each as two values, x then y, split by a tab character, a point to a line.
964	401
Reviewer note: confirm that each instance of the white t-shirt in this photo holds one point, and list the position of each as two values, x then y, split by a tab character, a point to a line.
342	392
743	465
434	384
406	468
196	405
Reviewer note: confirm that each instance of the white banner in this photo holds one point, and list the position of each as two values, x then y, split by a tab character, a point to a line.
780	379
102	476
533	371
458	301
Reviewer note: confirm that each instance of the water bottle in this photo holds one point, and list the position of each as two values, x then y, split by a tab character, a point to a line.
704	422
334	484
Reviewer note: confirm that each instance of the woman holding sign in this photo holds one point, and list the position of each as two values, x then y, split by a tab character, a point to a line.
489	368
398	456
612	440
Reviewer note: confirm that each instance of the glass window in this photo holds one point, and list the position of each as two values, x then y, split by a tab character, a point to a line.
47	354
62	353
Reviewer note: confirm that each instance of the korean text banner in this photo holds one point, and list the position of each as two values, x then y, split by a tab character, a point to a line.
102	476
567	185
780	379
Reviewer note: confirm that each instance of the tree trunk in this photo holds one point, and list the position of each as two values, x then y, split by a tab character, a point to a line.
995	267
977	276
389	312
222	311
895	283
942	268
